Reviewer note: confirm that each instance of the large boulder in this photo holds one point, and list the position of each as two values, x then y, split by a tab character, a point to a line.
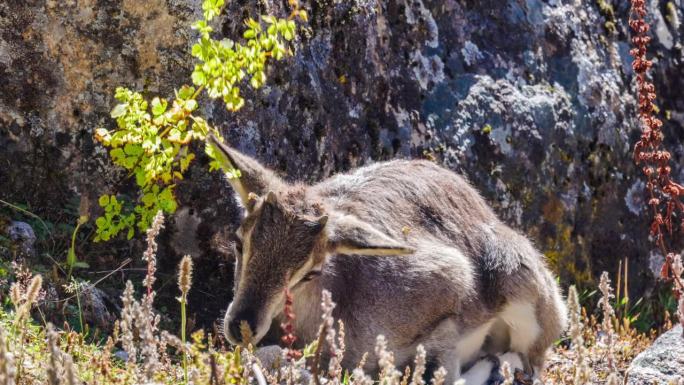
662	363
531	99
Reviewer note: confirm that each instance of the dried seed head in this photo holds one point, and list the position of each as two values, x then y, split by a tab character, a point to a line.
607	291
69	370
150	254
363	360
388	371
34	289
361	378
15	294
127	323
419	369
575	313
439	376
608	314
246	333
582	372
185	275
54	367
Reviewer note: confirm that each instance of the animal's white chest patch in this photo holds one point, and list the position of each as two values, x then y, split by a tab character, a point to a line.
470	344
521	318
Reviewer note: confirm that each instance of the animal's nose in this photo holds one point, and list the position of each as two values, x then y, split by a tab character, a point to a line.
235	325
234	328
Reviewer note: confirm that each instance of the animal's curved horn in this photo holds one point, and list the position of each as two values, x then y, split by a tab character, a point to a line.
254	178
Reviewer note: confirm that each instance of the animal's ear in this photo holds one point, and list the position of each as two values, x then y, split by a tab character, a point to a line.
315	225
351	236
254	178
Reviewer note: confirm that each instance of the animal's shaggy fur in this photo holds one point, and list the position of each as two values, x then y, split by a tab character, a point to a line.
408	249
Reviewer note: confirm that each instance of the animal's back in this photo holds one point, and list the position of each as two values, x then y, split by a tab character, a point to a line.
436	210
413	200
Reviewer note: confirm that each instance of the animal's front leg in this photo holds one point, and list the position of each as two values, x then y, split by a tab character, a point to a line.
483	372
442	345
450	361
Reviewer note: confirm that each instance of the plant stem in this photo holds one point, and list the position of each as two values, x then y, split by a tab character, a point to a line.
15	207
196	94
78	302
72	251
317	354
183	326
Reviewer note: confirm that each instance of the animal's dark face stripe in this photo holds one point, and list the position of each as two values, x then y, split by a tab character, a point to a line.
277	246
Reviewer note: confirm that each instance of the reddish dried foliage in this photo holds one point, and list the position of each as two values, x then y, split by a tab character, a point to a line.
665	194
287	327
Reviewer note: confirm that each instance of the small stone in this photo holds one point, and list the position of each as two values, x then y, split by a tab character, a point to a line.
22	236
21	232
270	356
95	308
122	355
661	363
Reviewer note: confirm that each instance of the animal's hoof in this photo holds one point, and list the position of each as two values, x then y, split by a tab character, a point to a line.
522	378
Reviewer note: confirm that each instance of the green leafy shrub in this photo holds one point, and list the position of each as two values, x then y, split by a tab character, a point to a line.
152	139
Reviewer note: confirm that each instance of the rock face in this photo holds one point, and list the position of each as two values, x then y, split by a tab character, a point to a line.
662	363
531	99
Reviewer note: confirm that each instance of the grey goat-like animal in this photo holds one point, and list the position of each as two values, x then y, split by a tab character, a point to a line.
408	250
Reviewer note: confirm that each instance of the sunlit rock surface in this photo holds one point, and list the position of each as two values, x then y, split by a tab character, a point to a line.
661	363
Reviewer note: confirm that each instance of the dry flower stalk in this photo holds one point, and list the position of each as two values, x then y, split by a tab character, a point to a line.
127	323
582	372
7	366
185	275
439	376
389	375
419	367
184	283
678	271
608	315
54	365
150	254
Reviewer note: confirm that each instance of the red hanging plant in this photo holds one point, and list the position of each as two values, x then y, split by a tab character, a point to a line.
289	338
664	194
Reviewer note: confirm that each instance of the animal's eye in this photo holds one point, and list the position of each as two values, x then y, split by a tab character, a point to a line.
311	275
238	246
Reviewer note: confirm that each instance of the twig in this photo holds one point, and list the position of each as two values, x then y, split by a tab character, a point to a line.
317	355
258	374
92	285
15	207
